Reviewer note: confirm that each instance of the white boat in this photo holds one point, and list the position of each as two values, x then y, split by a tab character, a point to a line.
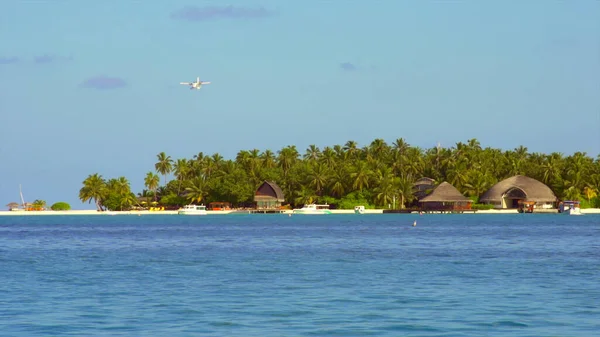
575	211
312	209
570	207
193	210
359	209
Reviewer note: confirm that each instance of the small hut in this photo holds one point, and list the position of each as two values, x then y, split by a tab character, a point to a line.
268	196
508	193
12	206
445	197
422	187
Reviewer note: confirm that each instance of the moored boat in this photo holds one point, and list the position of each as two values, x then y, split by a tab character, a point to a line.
312	209
192	210
570	207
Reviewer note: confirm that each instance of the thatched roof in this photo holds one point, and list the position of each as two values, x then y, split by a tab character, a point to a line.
532	189
445	193
424	181
269	189
422	186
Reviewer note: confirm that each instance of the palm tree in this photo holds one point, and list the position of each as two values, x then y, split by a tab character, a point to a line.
318	175
151	182
94	188
181	170
287	158
400	145
351	148
589	193
127	201
268	159
304	196
338	180
120	186
405	190
387	186
164	165
196	191
361	176
39	204
312	153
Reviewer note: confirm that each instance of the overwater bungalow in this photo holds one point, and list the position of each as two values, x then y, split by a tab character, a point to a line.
514	191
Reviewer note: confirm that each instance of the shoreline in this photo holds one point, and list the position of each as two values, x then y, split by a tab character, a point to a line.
333	211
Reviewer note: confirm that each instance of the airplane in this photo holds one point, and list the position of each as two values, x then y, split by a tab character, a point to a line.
195	85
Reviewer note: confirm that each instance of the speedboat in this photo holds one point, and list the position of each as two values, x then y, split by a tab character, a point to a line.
359	209
312	209
192	210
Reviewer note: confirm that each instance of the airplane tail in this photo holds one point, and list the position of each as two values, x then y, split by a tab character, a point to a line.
198	79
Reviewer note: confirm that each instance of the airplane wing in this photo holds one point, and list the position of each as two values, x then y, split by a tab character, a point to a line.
205	82
186	83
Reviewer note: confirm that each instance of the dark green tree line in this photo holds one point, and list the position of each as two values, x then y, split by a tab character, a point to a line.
378	175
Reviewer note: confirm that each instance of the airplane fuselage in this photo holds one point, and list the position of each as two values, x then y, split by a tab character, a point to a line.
195	85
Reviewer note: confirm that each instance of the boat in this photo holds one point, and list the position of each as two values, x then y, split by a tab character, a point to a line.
570	207
575	211
312	209
359	209
192	210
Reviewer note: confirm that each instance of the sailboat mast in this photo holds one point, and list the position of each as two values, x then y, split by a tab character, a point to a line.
21	192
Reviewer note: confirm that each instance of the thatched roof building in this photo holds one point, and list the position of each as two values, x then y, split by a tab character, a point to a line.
268	196
508	192
12	205
422	187
445	197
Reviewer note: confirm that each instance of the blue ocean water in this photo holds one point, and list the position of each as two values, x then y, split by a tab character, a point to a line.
274	275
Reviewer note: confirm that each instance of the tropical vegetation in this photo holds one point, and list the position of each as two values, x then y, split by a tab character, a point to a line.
377	175
60	206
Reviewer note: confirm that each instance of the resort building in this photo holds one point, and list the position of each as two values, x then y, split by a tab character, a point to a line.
445	197
268	196
422	187
219	206
509	192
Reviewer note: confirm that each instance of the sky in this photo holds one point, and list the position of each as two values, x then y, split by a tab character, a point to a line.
93	86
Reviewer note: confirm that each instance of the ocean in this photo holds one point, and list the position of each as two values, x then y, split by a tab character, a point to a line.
312	275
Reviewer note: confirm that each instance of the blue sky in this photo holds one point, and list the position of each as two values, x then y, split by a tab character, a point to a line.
92	86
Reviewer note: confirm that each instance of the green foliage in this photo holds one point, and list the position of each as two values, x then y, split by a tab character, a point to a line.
60	206
112	194
355	199
328	200
173	200
372	175
592	203
115	201
38	204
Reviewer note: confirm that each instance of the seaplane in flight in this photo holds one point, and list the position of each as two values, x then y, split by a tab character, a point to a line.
195	85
